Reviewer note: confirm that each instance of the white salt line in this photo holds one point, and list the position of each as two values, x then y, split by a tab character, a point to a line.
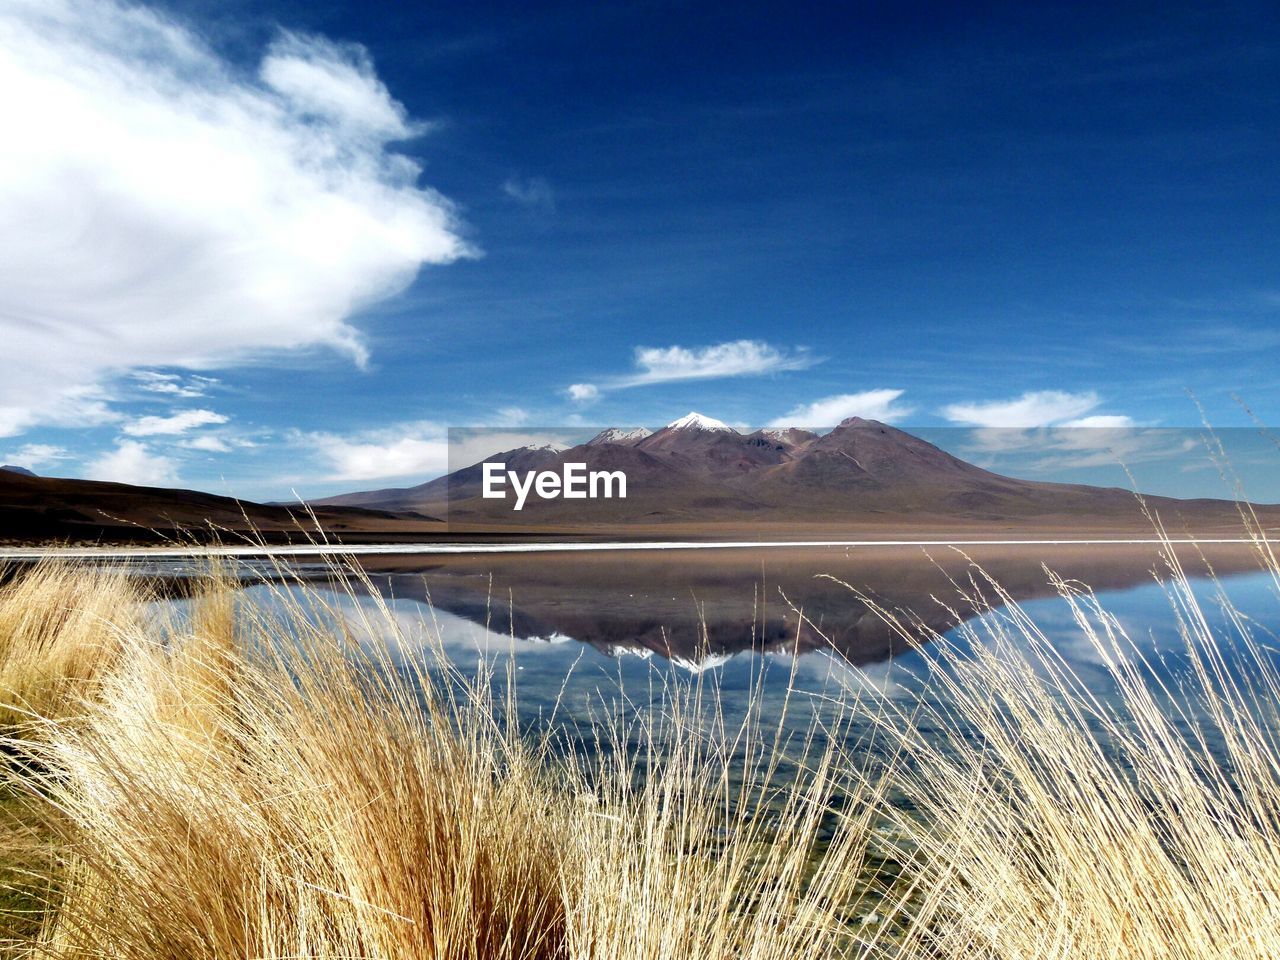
434	549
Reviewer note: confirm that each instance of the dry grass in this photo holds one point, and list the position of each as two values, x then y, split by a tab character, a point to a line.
257	783
1052	821
268	781
60	631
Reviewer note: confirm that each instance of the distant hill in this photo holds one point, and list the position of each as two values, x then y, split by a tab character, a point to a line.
698	470
45	508
694	477
10	468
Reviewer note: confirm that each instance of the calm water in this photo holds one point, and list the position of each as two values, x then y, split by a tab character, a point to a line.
582	632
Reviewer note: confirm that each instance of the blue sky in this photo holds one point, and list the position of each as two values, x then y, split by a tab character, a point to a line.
305	239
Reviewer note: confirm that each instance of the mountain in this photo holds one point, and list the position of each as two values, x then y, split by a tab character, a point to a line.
10	468
626	437
700	474
47	508
696	606
697	423
792	438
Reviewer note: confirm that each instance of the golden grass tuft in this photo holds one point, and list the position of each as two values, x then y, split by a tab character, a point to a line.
61	629
289	792
1050	820
282	779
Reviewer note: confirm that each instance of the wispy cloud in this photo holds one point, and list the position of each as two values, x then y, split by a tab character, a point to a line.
207	444
173	385
1050	430
736	358
59	406
830	411
132	461
1038	408
1102	421
276	203
34	456
419	450
173	424
1079	445
532	192
511	417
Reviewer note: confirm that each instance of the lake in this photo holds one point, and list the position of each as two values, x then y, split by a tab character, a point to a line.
585	629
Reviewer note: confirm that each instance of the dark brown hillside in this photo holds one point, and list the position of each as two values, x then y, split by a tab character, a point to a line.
48	508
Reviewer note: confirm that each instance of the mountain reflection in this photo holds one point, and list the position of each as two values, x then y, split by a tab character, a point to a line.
700	607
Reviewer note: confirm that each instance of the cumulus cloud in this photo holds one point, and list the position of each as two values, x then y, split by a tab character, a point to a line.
132	461
419	450
829	411
583	392
1037	408
160	207
174	424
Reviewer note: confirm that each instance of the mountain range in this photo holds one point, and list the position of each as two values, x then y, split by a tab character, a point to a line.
695	477
700	471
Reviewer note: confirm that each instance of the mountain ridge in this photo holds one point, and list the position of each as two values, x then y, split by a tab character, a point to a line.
700	470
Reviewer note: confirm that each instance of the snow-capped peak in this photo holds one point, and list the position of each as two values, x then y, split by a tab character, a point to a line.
550	445
777	433
619	435
696	421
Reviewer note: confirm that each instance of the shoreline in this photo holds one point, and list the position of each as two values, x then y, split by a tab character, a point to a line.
455	549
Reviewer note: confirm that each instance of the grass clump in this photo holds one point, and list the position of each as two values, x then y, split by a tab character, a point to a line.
60	632
1049	818
279	779
269	782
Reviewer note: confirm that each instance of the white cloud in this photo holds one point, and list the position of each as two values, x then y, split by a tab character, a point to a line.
1102	421
33	456
173	385
737	358
335	83
1101	441
160	207
61	406
207	443
829	411
511	417
1038	408
133	462
531	192
174	424
419	450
